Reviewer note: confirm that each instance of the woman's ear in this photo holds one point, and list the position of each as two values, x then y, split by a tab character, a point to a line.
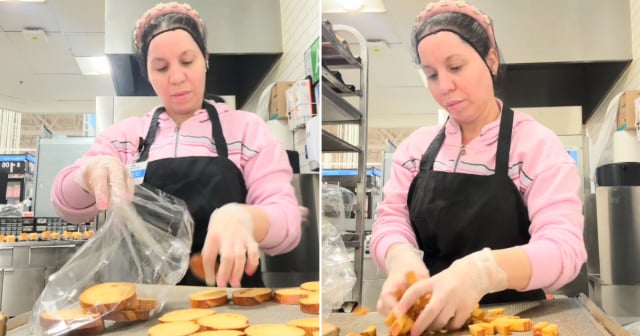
492	61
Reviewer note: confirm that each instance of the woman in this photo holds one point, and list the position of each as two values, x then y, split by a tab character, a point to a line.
484	209
232	173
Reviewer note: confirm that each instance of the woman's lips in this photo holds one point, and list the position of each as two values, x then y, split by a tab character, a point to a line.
180	94
454	104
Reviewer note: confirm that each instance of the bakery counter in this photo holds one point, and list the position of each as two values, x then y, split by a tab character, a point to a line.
25	268
574	316
177	297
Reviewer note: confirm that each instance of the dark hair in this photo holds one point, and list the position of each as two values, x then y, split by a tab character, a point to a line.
165	23
467	28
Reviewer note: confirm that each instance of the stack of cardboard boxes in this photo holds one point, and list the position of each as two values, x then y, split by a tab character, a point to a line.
627	117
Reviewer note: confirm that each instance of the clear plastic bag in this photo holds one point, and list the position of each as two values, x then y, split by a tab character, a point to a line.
333	205
601	148
147	241
337	203
338	276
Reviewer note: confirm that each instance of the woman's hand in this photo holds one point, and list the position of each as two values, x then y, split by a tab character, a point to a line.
108	179
454	292
400	260
230	235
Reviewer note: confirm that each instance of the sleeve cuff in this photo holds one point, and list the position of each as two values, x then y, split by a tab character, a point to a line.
383	246
74	196
281	237
545	264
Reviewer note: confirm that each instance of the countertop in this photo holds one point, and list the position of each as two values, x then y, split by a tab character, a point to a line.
177	297
42	243
574	316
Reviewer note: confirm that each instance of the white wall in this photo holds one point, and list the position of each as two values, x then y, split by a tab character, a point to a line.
300	28
630	80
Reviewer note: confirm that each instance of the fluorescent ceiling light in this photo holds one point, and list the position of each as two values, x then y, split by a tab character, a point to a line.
348	6
352	5
23	0
98	65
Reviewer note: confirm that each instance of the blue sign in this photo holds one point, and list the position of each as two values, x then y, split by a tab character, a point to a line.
16	158
350	172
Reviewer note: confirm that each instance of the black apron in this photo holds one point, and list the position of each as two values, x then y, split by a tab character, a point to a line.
456	214
204	183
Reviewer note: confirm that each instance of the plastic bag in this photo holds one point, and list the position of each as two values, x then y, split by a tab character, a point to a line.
601	149
145	242
338	276
337	203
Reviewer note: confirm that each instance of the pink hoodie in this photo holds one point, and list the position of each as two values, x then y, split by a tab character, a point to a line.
540	167
257	153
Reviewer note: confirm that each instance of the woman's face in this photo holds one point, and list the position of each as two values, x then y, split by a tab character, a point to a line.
177	72
457	76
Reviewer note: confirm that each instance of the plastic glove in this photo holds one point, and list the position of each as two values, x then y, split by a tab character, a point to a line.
454	292
400	260
230	235
108	179
304	213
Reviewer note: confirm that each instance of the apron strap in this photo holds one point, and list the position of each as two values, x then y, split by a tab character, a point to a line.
216	132
504	142
216	129
502	152
151	136
429	156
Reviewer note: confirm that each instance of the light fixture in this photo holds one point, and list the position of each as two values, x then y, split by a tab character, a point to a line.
97	65
352	5
23	0
349	6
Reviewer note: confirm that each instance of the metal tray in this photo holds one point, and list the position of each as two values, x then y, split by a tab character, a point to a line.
574	316
269	312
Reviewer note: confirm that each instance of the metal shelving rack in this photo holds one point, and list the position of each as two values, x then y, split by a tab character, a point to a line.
336	110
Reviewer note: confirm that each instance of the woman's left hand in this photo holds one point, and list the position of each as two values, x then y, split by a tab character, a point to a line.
230	235
454	292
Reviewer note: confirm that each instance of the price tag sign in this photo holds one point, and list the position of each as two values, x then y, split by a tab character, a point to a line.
12	167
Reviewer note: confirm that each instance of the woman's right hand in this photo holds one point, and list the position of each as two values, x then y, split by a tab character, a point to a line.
107	178
400	260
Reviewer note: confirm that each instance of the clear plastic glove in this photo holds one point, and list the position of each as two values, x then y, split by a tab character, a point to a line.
400	260
108	179
230	235
454	292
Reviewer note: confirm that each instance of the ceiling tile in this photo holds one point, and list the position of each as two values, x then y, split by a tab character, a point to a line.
46	57
14	16
47	87
79	16
101	85
86	44
11	59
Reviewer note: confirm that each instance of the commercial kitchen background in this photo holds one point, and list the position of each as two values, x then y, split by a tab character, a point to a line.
50	108
566	62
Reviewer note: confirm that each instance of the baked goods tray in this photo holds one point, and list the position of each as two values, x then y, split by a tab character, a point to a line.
577	316
268	312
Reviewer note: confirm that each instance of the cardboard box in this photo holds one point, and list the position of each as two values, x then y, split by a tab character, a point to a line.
626	111
278	101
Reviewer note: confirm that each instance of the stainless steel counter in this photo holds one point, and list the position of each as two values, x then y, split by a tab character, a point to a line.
42	243
574	316
25	268
178	298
